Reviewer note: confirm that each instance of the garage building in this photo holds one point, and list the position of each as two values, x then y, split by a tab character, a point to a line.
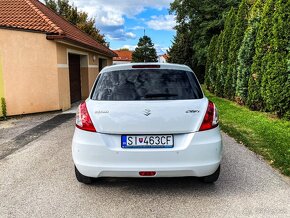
46	63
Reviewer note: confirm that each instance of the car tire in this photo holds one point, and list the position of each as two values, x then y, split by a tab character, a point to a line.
213	177
83	179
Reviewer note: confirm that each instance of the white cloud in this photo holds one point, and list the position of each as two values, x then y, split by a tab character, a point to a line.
120	34
130	47
160	50
162	22
137	28
130	35
112	12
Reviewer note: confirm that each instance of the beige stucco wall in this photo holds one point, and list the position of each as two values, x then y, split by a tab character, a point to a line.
29	68
64	92
1	86
110	61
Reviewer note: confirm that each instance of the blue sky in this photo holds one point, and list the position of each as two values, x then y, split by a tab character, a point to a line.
123	22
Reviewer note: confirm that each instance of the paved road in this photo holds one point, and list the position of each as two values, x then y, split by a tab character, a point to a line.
19	124
38	181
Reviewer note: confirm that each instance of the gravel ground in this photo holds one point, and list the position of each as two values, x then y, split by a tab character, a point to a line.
38	181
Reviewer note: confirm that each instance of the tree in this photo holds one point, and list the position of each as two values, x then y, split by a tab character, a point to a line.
236	40
218	80
247	52
203	20
210	70
181	49
276	77
222	64
78	18
254	100
52	4
145	51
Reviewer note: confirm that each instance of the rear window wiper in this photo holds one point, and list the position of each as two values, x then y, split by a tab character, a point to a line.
158	95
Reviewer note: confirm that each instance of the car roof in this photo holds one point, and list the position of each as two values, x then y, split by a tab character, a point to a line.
144	66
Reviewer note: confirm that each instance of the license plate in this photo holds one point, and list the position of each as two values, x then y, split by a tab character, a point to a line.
147	141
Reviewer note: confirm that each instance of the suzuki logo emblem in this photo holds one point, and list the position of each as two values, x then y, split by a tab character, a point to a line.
147	112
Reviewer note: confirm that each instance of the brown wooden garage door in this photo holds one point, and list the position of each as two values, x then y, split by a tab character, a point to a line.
75	78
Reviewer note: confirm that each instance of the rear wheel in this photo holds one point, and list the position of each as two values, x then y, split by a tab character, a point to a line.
83	179
211	178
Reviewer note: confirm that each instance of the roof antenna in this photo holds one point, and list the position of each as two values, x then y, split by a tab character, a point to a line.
145	52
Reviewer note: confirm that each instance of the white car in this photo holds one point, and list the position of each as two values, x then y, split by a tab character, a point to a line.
147	120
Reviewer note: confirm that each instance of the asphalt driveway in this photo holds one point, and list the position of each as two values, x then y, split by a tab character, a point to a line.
38	181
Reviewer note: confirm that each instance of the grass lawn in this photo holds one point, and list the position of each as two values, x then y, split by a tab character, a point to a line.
263	134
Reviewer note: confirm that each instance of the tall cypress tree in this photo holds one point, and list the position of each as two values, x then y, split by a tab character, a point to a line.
224	49
247	51
254	100
218	80
237	38
210	71
276	77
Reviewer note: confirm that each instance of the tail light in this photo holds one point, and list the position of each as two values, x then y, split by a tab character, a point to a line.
147	173
210	119
83	119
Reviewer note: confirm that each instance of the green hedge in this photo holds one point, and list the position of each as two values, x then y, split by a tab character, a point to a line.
256	71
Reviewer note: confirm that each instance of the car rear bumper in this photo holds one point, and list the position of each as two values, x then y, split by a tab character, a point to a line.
100	155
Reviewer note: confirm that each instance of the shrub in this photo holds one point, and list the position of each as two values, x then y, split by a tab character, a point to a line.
3	107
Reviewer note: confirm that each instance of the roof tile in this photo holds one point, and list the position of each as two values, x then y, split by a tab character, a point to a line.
123	55
33	15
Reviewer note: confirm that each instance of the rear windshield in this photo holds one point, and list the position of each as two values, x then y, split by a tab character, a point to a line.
146	84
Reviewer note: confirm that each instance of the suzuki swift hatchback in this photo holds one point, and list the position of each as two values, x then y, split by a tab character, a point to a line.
147	120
